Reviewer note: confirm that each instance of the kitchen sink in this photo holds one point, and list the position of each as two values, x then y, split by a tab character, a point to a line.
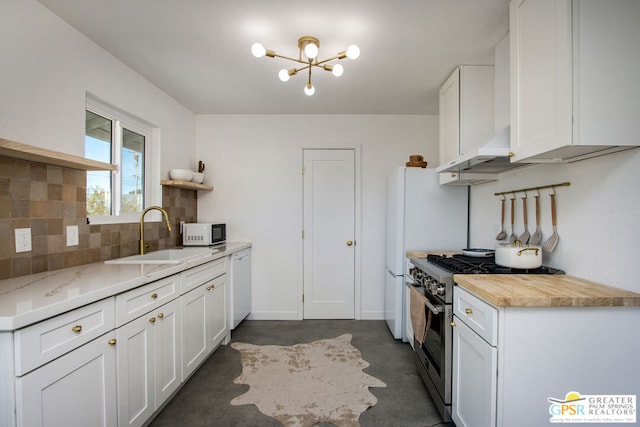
164	256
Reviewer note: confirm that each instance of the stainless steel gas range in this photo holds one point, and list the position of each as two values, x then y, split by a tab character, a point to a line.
433	278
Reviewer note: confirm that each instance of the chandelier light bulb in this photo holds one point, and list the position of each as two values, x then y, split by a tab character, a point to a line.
258	50
309	89
337	70
311	50
353	52
284	75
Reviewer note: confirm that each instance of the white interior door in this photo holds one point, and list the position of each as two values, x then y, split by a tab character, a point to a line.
329	234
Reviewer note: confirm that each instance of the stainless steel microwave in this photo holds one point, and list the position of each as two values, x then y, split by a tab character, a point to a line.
203	234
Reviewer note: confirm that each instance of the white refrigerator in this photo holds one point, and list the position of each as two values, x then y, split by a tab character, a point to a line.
421	215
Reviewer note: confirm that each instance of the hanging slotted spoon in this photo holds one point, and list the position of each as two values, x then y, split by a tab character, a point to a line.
524	237
502	234
552	241
513	237
537	235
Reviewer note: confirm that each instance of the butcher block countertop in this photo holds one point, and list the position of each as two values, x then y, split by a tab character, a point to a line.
540	290
423	254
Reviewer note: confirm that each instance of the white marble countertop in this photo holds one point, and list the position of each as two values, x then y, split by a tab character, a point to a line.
29	299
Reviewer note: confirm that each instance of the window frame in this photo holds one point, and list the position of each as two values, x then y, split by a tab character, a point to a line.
152	188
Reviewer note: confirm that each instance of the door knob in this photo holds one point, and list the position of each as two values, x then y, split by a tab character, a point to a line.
349	242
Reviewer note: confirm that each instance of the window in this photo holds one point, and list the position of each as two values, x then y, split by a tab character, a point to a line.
114	137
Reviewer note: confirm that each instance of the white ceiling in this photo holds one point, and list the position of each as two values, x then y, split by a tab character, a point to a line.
198	51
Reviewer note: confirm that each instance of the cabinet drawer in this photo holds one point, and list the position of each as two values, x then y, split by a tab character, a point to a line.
139	301
477	314
40	343
196	276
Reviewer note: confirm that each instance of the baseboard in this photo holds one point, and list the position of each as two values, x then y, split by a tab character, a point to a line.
372	315
291	315
274	315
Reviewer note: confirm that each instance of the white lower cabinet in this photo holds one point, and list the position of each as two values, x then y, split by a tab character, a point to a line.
475	366
77	389
148	360
204	322
509	361
114	362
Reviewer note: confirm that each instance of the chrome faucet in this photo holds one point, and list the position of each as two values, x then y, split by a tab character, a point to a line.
166	218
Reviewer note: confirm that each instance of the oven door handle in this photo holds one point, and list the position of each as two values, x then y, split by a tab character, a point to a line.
435	310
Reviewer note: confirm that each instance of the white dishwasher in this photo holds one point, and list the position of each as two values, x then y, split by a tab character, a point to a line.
240	294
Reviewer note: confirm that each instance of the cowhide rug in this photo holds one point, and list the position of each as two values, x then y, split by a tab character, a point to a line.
304	384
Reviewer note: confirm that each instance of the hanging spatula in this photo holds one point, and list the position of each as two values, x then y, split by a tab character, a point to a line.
502	234
524	237
536	237
552	241
513	237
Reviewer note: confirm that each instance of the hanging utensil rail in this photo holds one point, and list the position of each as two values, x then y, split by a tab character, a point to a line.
524	190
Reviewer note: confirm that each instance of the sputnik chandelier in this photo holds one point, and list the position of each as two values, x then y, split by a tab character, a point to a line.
309	46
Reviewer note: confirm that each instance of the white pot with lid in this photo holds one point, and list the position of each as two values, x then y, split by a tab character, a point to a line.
517	255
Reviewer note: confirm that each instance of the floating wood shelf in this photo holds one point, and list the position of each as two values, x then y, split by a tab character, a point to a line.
186	184
18	150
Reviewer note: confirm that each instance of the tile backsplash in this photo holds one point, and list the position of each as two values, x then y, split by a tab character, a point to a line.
48	198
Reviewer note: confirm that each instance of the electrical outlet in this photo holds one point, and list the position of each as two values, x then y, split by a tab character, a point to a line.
23	239
72	235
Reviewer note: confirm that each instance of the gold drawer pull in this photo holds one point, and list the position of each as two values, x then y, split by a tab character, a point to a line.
77	329
112	341
453	324
210	287
160	315
154	296
468	311
152	320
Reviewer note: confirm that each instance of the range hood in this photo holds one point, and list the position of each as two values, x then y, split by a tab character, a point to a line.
491	158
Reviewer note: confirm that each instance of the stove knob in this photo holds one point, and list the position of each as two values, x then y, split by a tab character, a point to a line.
441	291
433	287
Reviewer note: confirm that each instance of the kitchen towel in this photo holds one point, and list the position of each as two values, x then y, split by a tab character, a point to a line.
418	318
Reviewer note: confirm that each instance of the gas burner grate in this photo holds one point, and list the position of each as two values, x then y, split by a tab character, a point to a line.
463	264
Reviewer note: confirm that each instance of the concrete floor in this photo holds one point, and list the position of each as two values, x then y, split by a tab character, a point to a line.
205	399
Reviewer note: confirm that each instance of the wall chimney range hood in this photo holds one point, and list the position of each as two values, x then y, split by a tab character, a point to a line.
491	158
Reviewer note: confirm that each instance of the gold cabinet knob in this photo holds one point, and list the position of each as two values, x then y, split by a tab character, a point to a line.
160	315
468	311
453	175
349	242
210	287
152	320
154	296
453	324
112	341
77	329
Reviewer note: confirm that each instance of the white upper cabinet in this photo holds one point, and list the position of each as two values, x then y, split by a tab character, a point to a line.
501	83
466	111
573	65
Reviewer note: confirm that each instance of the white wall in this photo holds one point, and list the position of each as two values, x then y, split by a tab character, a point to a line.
254	164
598	215
47	69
